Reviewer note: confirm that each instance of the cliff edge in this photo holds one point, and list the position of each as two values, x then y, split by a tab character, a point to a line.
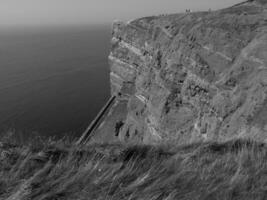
193	76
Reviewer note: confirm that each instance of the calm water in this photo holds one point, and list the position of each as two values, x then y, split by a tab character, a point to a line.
53	81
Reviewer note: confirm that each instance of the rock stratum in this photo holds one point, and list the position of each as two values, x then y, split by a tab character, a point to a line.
193	76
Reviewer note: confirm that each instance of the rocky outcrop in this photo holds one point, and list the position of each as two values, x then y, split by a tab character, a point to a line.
193	76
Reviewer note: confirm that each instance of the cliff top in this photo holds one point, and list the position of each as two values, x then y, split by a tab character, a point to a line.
244	8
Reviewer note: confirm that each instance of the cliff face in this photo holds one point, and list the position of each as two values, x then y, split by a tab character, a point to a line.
193	76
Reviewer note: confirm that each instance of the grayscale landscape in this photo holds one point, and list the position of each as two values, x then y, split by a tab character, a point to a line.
145	101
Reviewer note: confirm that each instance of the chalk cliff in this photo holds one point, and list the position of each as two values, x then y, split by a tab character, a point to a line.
192	76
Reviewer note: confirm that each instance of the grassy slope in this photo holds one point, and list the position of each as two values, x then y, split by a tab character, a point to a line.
232	170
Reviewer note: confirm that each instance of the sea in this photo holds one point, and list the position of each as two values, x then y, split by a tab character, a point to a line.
53	80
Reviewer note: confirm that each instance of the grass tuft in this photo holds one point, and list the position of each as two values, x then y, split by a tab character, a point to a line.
230	170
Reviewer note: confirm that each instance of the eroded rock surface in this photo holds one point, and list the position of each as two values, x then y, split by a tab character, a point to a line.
193	76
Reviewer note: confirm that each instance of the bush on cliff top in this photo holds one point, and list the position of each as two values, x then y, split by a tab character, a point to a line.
231	170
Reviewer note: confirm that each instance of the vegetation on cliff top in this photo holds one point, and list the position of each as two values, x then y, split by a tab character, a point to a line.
60	170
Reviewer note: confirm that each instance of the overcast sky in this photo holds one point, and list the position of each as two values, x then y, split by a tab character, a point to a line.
46	12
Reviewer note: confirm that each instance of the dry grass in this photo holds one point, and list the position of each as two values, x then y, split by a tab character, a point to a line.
232	170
